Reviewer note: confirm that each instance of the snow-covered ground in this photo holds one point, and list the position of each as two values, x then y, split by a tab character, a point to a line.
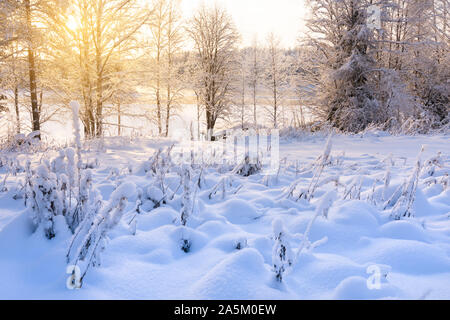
339	252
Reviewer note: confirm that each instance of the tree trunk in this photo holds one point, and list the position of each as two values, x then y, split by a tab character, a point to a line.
243	100
16	105
99	87
119	122
169	93
32	72
158	80
198	116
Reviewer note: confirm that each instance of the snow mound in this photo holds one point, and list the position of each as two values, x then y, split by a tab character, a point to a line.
156	218
356	288
240	275
403	229
239	212
354	213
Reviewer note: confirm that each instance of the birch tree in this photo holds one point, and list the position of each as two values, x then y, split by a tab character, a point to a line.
215	38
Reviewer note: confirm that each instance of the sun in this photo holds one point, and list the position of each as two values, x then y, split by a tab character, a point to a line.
72	23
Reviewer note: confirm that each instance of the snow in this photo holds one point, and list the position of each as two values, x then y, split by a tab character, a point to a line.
232	238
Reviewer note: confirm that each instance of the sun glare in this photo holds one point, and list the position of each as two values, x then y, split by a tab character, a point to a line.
72	23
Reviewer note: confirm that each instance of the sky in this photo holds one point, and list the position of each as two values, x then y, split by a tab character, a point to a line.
285	18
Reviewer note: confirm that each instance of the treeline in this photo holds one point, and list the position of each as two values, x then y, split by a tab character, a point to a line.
395	75
125	59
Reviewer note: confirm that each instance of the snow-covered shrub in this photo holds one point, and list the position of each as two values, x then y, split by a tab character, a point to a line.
322	161
247	168
83	204
281	252
241	243
187	201
158	164
3	187
90	237
325	203
353	189
136	210
387	182
23	143
322	208
155	195
58	164
402	204
46	200
429	167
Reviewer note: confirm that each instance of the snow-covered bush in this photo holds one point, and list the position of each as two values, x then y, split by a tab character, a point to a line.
325	203
317	168
22	143
282	257
187	197
353	189
429	167
90	237
241	243
322	208
248	168
82	207
403	199
46	200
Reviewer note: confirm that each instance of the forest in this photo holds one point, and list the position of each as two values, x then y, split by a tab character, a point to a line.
128	61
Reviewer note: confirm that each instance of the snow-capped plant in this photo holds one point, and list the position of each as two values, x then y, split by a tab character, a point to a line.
282	257
322	209
403	207
187	196
136	210
83	206
247	168
240	243
63	186
27	187
322	161
387	182
71	171
429	167
353	189
3	187
58	165
325	203
445	181
76	130
46	201
90	238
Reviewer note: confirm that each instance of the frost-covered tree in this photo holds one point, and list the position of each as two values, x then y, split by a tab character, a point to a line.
348	100
92	37
275	77
215	38
254	74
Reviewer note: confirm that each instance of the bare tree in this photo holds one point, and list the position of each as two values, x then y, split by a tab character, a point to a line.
174	41
254	75
276	77
215	38
32	68
104	34
157	27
